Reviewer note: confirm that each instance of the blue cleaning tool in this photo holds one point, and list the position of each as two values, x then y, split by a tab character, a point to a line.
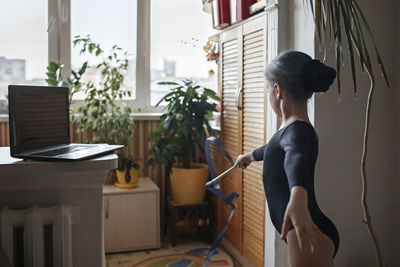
214	187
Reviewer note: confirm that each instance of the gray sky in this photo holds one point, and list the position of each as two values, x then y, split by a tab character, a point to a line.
23	30
24	24
113	22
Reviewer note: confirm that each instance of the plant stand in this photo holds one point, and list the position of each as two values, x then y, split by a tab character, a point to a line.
192	220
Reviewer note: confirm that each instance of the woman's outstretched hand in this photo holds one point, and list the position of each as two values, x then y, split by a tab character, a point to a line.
244	160
298	215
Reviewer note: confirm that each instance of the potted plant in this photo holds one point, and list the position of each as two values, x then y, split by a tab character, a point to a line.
128	172
103	113
179	139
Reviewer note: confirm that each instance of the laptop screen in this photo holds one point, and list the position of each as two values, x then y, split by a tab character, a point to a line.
39	117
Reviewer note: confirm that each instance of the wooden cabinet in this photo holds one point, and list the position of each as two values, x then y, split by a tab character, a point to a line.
131	217
243	61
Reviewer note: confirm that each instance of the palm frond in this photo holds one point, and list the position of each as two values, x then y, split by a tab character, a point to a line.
345	22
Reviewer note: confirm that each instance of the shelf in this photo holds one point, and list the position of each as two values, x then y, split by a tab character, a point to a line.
145	185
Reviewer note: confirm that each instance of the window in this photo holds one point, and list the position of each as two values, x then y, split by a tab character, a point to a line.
179	30
108	23
23	46
43	32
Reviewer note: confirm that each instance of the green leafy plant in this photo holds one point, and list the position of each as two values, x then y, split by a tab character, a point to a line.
103	112
125	164
344	21
54	76
182	132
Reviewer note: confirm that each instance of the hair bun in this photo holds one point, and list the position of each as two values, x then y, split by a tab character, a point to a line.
317	76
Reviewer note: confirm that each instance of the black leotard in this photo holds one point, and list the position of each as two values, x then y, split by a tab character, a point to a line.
289	160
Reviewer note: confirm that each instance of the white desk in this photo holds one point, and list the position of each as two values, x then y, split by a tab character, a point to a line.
77	186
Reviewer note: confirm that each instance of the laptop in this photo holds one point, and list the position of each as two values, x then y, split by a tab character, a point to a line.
40	126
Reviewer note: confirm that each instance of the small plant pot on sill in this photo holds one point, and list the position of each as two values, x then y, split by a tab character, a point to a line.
130	180
188	185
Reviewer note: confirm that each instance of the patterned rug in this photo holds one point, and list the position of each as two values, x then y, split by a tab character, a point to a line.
184	255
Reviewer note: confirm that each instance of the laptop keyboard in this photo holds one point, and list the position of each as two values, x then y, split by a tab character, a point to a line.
60	151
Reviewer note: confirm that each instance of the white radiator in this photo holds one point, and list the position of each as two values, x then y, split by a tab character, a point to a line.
38	237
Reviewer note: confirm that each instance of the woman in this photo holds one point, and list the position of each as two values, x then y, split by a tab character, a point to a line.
289	161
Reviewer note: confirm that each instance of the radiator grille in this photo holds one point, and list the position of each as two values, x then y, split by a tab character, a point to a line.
38	236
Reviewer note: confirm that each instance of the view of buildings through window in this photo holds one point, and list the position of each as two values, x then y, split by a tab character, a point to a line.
179	30
24	53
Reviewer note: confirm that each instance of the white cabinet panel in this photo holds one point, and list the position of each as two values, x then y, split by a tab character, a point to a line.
131	217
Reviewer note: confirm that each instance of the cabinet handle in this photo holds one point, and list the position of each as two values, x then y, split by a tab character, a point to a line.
238	97
107	203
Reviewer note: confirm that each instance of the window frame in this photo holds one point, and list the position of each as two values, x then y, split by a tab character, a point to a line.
60	46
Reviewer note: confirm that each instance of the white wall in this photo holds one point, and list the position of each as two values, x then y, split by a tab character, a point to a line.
340	128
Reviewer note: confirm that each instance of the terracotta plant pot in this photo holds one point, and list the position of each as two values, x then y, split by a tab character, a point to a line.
134	178
188	185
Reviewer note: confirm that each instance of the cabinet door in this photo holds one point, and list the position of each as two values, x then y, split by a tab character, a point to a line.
253	130
130	222
231	125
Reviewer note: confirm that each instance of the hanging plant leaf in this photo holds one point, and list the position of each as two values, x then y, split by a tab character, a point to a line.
328	17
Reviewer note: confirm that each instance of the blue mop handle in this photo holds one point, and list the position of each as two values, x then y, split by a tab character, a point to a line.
213	187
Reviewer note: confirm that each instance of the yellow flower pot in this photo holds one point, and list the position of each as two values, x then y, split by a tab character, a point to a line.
134	175
188	185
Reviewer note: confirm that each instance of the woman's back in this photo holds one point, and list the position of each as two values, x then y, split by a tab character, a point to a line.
290	157
289	160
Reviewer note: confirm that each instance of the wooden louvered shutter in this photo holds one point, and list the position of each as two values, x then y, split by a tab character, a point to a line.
231	129
243	60
254	110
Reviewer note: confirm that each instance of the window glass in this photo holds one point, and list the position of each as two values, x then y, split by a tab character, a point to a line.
23	45
179	30
108	23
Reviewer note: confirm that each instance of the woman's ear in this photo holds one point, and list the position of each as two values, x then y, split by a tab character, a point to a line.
279	91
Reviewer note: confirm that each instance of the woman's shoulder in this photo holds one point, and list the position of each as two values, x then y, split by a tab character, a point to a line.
298	126
299	132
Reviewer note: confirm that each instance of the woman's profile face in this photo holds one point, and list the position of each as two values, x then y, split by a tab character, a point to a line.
273	99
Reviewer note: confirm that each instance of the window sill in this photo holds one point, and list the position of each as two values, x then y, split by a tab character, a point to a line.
3	118
136	116
146	116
